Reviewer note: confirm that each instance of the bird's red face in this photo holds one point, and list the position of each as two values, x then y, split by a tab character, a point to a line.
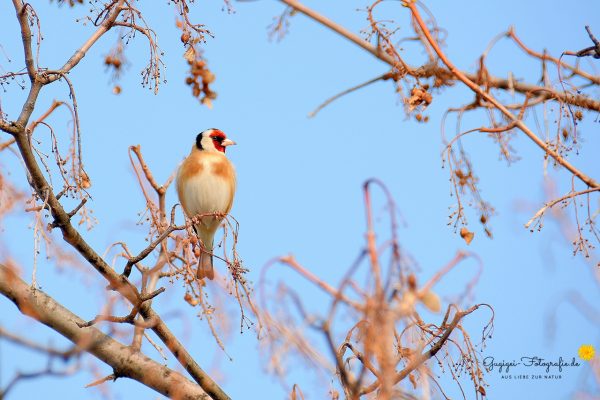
213	140
218	137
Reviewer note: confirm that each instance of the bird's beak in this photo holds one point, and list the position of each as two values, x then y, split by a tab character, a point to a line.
227	142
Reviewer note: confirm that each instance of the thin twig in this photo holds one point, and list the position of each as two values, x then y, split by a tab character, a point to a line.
554	202
347	91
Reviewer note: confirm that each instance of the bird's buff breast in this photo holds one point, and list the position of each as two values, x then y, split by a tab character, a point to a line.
206	184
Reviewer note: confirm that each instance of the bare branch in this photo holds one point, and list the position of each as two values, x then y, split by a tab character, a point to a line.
291	261
432	70
129	318
6	144
489	98
348	91
144	253
114	9
592	51
8	127
543	56
49	370
125	362
554	202
23	18
30	344
111	377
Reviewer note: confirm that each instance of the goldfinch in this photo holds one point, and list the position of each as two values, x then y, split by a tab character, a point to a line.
206	184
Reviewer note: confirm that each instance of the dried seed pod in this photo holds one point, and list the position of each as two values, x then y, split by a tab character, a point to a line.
185	37
466	235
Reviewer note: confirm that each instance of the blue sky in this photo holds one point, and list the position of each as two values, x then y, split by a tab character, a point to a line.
299	179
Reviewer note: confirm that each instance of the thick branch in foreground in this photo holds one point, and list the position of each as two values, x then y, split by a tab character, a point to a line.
125	362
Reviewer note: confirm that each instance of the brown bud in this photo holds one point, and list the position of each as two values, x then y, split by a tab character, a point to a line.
413	380
427	98
207	102
466	235
412	282
431	301
185	37
208	77
210	94
196	91
84	180
191	301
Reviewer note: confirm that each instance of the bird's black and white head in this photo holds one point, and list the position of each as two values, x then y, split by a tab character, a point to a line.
213	140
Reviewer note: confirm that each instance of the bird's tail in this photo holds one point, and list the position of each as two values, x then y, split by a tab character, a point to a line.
205	266
205	261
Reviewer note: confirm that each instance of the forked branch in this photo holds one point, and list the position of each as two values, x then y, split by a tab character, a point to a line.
124	362
466	78
492	100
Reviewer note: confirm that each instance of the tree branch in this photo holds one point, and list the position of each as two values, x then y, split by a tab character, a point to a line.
125	362
21	10
419	359
489	98
511	33
30	344
554	202
428	71
117	7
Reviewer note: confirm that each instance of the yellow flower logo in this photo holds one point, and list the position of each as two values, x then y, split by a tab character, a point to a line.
586	352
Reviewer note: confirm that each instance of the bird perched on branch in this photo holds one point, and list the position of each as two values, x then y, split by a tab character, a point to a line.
205	185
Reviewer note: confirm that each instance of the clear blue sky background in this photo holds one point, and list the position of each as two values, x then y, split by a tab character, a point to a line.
300	179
